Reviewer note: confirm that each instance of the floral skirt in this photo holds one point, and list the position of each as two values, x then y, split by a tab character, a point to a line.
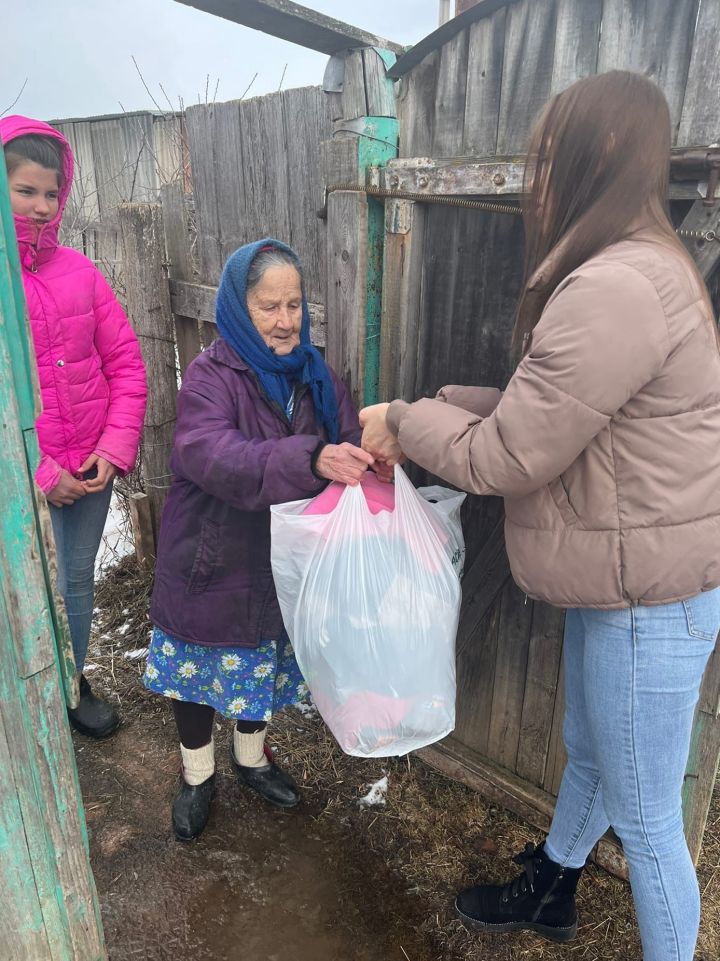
248	684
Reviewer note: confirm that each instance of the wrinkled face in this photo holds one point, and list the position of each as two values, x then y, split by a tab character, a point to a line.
275	306
34	192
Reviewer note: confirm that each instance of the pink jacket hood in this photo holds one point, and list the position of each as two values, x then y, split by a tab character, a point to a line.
47	238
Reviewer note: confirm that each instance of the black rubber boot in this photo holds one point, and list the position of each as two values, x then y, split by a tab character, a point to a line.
191	808
93	716
542	899
269	781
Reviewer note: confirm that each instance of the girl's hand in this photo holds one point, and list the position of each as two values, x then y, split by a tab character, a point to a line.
376	437
105	473
67	490
343	462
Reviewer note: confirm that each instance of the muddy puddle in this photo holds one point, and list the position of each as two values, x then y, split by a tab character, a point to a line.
259	885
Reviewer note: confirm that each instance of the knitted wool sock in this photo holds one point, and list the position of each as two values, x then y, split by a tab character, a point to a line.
198	764
248	749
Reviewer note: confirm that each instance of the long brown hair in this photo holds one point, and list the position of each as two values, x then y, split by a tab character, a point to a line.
598	167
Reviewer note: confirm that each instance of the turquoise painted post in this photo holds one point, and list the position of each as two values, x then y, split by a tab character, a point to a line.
378	143
50	910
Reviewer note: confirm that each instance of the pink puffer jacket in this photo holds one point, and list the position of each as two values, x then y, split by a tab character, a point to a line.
92	377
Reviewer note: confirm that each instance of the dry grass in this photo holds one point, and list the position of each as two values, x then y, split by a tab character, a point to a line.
433	835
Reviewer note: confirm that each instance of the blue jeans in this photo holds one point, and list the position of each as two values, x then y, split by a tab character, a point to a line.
78	531
632	682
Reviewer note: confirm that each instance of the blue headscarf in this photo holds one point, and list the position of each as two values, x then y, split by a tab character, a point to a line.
277	375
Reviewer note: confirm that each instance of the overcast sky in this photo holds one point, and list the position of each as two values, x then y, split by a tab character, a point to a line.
77	54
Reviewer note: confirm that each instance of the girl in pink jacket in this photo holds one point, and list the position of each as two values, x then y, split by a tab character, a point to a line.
92	381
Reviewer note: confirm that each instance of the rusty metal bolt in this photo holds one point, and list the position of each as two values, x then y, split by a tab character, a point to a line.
422	181
499	180
394	181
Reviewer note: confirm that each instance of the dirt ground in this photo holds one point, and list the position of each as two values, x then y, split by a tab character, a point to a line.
327	881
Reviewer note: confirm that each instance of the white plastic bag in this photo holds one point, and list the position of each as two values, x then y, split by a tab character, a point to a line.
371	605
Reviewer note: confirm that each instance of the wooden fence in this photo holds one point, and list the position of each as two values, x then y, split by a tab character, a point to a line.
121	158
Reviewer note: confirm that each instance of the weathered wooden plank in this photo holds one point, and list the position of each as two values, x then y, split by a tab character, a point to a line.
482	584
264	168
198	301
541	688
700	779
450	97
415	97
486	51
475	683
151	316
200	136
293	22
652	37
699	116
142	528
347	289
577	38
460	177
379	91
402	276
307	122
180	267
229	176
469	298
556	755
510	674
527	71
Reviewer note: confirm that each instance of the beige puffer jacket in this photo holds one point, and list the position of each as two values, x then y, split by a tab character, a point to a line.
606	443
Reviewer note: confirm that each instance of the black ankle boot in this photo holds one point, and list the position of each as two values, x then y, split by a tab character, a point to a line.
93	716
542	899
269	781
191	808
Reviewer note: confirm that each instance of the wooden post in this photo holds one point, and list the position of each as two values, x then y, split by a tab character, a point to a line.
50	908
355	236
148	299
180	267
402	285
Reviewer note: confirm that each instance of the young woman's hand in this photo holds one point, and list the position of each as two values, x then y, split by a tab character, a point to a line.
105	473
343	462
376	437
67	490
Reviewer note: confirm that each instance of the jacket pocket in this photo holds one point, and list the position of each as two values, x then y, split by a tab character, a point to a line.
207	558
703	614
559	494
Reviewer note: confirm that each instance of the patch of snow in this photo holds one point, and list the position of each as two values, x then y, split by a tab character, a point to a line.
88	668
375	797
137	654
124	629
307	709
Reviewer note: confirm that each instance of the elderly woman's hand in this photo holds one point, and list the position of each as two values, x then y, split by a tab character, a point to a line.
376	437
343	462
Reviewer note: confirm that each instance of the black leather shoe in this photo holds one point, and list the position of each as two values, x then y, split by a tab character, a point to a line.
542	899
269	781
191	808
93	716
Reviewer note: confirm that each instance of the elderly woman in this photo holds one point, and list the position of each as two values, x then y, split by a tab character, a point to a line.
261	419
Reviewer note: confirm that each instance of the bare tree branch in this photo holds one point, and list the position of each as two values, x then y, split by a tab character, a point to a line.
139	72
283	77
8	109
